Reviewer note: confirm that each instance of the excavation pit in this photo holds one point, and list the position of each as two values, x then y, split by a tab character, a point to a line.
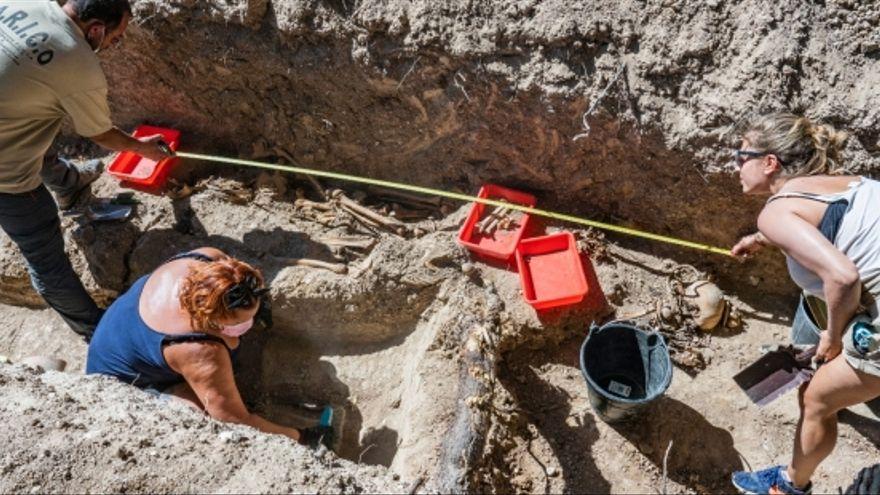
617	112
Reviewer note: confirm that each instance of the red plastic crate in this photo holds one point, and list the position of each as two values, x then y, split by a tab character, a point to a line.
139	171
550	271
500	244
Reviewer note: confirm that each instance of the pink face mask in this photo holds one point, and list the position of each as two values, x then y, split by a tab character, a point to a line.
237	330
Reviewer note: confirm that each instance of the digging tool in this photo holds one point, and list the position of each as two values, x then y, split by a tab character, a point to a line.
329	429
775	373
107	211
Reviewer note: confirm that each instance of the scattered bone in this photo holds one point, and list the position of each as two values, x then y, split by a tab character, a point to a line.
178	190
234	192
327	218
402	213
367	215
349	242
497	216
308	204
333	267
363	267
363	219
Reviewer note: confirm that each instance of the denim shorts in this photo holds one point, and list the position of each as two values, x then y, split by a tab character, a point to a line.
861	340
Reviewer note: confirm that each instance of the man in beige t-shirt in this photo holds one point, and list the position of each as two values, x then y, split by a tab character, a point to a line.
49	71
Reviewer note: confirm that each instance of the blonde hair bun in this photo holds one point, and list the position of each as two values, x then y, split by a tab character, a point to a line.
802	146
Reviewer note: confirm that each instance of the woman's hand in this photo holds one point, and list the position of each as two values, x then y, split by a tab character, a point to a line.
829	347
748	245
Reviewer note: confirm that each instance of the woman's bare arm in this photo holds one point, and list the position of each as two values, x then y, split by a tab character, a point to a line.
803	242
207	368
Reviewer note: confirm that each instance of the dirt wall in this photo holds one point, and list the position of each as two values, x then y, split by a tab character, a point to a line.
455	94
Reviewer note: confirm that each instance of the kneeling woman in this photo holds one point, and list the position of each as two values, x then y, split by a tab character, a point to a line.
177	329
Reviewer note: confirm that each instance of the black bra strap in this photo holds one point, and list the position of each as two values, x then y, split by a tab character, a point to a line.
190	255
193	337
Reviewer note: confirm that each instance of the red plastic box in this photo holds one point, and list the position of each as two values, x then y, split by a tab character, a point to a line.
139	171
550	271
500	244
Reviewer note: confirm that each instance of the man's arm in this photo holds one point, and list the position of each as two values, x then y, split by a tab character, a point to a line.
116	140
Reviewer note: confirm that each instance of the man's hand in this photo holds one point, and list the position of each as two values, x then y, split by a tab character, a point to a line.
748	245
829	348
148	147
153	148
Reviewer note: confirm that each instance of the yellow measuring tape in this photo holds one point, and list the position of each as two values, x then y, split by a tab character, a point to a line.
461	197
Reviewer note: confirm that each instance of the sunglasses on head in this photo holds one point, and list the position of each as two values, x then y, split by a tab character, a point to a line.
244	293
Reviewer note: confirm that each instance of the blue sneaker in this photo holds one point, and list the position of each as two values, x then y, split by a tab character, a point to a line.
770	481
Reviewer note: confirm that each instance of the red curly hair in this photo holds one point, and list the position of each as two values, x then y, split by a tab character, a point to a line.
204	288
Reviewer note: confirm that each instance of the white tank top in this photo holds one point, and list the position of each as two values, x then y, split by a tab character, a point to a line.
858	237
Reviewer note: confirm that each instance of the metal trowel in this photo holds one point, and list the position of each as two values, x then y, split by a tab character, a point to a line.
107	212
301	414
775	373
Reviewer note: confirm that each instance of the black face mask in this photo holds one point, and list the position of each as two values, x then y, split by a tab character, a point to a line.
244	294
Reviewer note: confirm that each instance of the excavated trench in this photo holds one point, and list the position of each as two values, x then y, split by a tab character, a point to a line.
436	370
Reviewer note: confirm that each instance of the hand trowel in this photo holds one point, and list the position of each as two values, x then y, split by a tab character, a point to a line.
775	373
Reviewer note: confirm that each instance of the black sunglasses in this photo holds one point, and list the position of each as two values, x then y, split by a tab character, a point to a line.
244	294
742	156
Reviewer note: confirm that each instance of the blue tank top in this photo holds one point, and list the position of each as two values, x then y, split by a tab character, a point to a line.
126	348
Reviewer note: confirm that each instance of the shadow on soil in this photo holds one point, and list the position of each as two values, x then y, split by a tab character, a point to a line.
702	455
549	408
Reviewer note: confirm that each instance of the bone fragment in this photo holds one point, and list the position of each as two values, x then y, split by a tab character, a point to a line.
496	213
305	203
497	216
367	215
350	242
364	220
333	267
402	213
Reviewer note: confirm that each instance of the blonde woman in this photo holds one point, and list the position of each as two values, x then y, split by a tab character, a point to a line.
827	224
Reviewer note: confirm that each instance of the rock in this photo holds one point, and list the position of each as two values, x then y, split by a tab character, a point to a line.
44	363
552	471
231	437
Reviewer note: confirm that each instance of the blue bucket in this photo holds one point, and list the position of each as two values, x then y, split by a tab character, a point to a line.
625	368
